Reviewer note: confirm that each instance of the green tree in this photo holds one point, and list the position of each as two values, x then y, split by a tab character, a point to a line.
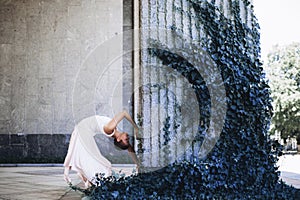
283	70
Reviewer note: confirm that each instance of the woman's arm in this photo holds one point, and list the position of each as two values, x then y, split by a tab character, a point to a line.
133	156
111	126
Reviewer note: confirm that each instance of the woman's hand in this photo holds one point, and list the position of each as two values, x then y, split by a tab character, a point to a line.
136	133
137	168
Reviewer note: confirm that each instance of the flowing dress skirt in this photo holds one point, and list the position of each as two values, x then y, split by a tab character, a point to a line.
83	154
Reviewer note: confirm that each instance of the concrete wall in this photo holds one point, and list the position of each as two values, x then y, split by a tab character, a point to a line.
167	98
60	61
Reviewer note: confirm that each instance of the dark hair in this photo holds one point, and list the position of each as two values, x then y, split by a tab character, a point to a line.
120	144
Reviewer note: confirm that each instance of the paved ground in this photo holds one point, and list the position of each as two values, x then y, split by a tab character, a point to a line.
35	183
30	183
289	165
43	183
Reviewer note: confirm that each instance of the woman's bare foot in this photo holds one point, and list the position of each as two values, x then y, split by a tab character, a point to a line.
66	175
87	184
67	179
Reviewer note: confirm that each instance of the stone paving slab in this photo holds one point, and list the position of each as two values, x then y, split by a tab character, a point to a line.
43	183
35	183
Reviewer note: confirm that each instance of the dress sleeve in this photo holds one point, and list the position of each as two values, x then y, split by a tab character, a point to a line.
101	122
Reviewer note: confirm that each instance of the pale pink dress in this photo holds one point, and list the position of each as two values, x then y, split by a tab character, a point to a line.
83	154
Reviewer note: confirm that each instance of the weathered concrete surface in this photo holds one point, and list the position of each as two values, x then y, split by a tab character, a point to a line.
54	71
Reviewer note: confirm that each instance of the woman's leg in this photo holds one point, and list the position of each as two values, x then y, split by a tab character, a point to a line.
66	174
86	182
68	158
83	178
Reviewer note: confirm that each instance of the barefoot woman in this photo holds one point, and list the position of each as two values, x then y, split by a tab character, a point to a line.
83	154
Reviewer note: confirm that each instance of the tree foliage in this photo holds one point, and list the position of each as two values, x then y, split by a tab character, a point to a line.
283	71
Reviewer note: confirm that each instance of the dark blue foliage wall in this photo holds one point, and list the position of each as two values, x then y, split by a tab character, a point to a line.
242	163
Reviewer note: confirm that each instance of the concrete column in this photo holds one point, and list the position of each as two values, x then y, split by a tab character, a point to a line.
157	104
